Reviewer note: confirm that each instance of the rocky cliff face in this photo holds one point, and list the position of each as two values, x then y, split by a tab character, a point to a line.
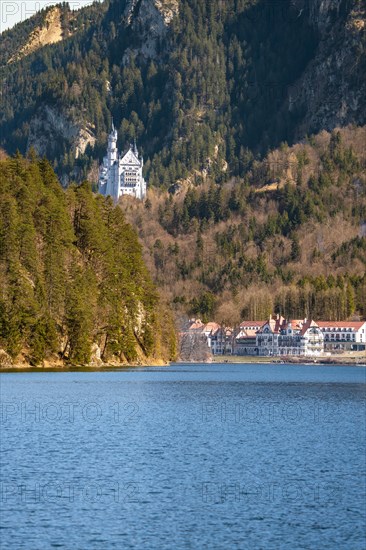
149	19
50	32
151	11
331	91
51	128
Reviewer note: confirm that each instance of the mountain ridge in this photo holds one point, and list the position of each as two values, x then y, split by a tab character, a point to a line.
269	72
50	32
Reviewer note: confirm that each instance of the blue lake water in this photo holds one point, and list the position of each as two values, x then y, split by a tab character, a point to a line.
185	457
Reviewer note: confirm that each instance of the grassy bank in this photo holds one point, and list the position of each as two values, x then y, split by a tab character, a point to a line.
354	358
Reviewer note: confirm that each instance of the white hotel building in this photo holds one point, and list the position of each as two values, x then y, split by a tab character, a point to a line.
343	335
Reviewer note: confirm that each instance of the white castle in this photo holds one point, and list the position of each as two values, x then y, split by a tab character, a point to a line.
121	175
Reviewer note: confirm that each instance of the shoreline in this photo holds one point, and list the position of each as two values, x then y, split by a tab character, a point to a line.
48	366
293	360
76	368
229	360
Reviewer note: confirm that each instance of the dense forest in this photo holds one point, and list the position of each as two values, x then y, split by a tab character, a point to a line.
289	237
250	115
206	92
74	287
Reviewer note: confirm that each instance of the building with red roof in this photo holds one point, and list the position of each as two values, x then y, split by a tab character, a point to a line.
281	337
344	335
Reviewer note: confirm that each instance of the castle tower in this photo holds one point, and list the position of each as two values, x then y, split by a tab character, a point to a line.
121	175
112	156
112	146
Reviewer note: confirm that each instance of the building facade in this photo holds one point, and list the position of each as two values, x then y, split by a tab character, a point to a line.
220	341
120	176
245	338
279	337
344	335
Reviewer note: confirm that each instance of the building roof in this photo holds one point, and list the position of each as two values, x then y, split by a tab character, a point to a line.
211	327
276	325
248	324
196	324
355	325
297	323
246	333
130	159
280	323
308	323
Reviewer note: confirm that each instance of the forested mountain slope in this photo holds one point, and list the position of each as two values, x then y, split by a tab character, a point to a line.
251	116
201	84
288	238
74	287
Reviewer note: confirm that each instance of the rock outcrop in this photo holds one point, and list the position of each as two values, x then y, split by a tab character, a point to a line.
49	33
5	360
331	91
149	19
50	128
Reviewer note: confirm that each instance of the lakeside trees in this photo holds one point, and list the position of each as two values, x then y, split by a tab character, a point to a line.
72	274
